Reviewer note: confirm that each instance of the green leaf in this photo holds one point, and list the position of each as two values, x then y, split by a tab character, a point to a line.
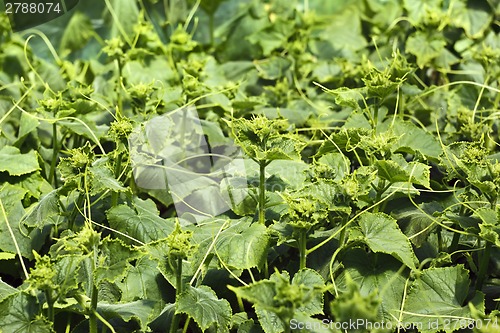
347	97
418	9
109	293
487	215
6	290
413	139
417	222
20	313
77	33
138	73
243	245
205	308
266	139
391	171
273	68
290	172
17	164
114	258
68	277
272	37
140	222
124	11
327	193
12	231
86	127
141	281
402	171
269	321
338	163
103	178
158	252
344	31
214	133
438	296
34	183
277	300
285	148
28	124
139	311
261	293
386	11
47	211
490	229
345	139
312	282
352	304
419	173
7	256
374	273
164	319
243	324
424	48
490	233
474	19
382	234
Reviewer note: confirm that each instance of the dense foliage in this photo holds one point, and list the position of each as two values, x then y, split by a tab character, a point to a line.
371	179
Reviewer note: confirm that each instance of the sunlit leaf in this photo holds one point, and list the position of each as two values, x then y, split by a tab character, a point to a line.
205	308
16	163
382	234
141	221
430	301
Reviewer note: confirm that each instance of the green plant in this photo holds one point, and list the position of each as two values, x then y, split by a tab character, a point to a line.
367	190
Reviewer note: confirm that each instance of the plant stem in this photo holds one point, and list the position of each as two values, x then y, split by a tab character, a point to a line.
440	239
342	237
93	296
118	90
166	8
380	190
483	266
287	326
186	325
375	116
184	129
262	192
72	217
68	323
55	152
303	249
118	166
175	323
93	304
454	242
178	278
211	27
401	104
50	305
178	290
240	304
